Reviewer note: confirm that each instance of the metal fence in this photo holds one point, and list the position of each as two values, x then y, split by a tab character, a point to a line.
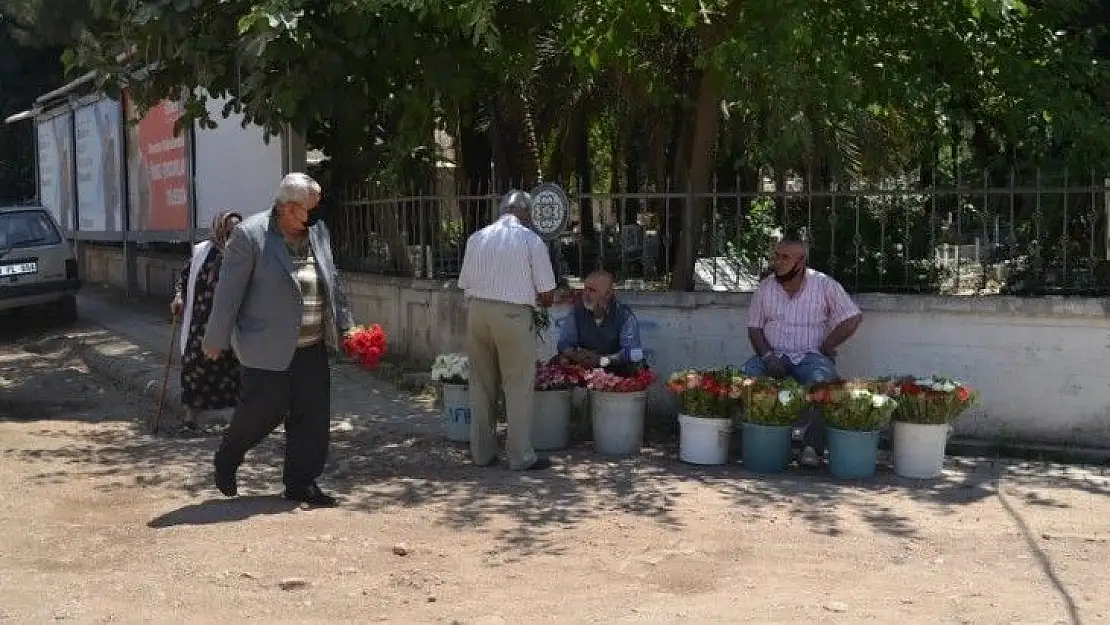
1033	234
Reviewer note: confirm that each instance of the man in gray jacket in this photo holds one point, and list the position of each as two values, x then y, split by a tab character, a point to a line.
279	304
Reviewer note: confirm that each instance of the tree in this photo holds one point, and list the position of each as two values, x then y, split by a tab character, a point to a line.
633	92
32	40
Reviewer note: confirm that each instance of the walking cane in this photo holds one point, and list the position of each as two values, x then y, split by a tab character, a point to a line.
165	376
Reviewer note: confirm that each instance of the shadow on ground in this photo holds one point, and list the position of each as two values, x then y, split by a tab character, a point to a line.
389	454
223	511
374	468
40	376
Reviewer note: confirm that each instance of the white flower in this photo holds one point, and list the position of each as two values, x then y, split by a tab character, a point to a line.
785	397
924	382
859	393
451	367
879	400
944	387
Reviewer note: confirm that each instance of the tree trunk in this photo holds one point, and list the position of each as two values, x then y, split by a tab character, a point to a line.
700	165
584	173
515	155
474	154
561	162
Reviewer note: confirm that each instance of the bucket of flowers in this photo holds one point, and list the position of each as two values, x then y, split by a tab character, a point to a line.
617	408
452	373
770	408
705	420
552	404
927	408
365	345
855	412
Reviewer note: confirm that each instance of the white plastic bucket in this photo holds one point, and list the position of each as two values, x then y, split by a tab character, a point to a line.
551	419
456	412
703	440
618	421
919	449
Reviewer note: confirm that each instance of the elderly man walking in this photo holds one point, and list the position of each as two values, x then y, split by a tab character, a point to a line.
506	270
279	302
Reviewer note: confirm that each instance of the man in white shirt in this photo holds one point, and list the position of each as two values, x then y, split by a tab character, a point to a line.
506	270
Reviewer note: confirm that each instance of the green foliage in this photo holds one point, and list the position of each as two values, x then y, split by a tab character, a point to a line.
708	393
768	401
853	92
29	67
748	248
934	400
859	405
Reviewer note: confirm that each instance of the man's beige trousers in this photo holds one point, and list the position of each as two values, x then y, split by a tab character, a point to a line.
502	347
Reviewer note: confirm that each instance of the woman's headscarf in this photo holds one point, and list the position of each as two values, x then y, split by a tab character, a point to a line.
222	227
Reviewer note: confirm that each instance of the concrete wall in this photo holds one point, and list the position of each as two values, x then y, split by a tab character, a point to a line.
1040	364
101	264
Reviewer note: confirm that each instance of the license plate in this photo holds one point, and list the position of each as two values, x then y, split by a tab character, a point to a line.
18	269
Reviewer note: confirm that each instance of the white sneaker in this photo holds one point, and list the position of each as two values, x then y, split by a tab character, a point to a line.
809	458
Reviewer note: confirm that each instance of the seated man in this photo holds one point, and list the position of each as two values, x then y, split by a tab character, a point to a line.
789	325
600	331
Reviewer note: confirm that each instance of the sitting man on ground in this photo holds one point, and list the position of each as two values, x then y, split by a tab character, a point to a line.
601	331
789	324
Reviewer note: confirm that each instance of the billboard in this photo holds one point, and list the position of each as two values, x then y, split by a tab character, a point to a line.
56	168
99	167
158	172
236	169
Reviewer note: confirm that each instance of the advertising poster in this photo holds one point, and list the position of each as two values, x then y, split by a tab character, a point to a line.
158	173
56	168
236	168
99	171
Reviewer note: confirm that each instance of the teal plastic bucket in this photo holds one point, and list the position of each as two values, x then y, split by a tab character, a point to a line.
765	448
853	454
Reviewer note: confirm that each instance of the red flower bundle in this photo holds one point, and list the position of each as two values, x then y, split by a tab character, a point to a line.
365	345
602	380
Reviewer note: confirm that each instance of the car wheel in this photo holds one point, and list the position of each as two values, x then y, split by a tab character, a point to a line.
67	309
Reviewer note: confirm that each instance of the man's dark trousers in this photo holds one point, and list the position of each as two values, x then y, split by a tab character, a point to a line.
303	391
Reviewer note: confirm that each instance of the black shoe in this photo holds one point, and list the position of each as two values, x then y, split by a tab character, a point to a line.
311	495
491	463
540	464
226	482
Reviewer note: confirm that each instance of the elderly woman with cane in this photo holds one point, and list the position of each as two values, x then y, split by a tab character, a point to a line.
206	384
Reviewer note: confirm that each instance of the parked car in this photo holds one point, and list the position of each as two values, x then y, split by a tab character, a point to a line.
37	264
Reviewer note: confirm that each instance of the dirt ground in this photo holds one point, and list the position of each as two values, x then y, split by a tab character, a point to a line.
99	523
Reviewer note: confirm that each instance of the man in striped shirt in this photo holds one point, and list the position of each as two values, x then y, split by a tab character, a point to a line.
797	320
506	271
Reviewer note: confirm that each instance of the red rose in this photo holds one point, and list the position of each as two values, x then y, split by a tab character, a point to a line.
962	394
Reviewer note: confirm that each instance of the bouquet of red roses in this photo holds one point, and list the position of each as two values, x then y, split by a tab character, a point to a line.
553	376
365	345
602	380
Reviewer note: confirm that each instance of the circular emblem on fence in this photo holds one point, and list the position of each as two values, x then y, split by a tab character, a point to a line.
550	210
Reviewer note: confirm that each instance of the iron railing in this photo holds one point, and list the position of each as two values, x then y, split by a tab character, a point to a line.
1034	234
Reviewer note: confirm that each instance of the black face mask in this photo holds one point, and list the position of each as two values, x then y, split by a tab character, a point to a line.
789	275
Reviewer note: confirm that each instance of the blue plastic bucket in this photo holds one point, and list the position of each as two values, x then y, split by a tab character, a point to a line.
853	454
765	448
